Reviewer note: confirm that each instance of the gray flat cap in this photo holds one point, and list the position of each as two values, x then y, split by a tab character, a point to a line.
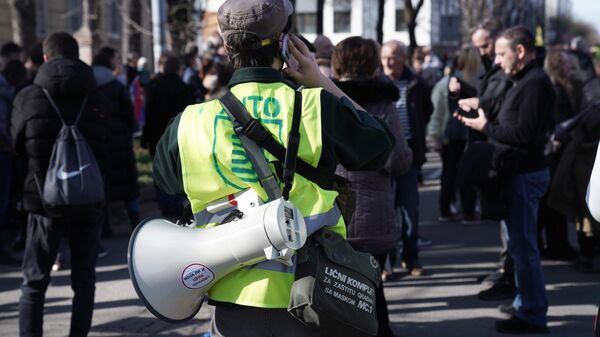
263	18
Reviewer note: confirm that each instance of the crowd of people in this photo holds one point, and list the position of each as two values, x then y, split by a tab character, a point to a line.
516	125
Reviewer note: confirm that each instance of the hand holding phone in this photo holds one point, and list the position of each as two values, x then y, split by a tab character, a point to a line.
471	113
476	123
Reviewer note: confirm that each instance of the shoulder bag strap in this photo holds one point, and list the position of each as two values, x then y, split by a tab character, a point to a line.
238	115
291	153
254	130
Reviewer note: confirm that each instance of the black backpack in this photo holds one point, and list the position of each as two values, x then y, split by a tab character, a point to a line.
73	177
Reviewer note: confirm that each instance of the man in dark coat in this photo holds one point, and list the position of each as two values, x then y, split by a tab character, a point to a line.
414	107
121	171
474	168
519	135
34	127
165	96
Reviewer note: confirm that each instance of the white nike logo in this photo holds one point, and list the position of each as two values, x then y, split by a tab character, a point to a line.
61	174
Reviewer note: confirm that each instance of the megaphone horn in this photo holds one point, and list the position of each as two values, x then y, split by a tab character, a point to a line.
172	267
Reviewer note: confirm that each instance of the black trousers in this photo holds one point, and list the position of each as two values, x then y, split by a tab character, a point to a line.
230	320
451	154
556	229
381	304
43	237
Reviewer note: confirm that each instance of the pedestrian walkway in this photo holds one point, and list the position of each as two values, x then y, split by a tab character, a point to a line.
442	303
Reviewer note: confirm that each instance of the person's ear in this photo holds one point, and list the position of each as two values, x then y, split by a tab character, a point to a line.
46	58
520	51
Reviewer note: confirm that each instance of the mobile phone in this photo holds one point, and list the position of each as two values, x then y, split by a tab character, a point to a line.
467	114
285	53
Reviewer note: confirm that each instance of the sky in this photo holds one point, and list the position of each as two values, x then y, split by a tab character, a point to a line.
588	11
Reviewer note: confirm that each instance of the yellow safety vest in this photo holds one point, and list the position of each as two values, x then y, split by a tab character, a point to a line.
214	165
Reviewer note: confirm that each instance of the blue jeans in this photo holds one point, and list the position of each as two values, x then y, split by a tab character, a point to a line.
407	202
527	189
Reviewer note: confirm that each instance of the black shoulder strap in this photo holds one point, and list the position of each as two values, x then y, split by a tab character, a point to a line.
291	153
58	111
254	130
254	153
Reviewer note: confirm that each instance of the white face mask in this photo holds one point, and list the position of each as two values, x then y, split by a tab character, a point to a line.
210	82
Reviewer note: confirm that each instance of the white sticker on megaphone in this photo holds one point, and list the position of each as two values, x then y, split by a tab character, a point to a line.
197	276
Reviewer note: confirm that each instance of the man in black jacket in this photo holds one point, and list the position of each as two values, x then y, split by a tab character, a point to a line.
519	135
489	95
121	172
165	96
34	127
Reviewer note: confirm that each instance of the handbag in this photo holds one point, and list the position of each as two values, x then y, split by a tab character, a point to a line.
334	287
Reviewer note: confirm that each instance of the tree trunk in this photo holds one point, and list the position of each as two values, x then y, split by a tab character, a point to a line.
380	21
410	15
125	30
320	6
23	22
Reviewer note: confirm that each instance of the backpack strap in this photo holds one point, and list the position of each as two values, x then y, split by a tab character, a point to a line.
254	130
58	111
238	112
291	153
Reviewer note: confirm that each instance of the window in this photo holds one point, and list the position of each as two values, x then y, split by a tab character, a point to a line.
342	15
400	22
41	15
75	14
341	22
306	23
115	18
450	28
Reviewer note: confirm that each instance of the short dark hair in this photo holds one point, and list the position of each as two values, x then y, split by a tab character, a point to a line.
61	44
490	25
355	57
104	57
108	51
102	60
241	55
15	73
36	54
10	48
519	35
170	64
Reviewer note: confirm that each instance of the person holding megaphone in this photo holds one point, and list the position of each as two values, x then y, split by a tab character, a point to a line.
201	156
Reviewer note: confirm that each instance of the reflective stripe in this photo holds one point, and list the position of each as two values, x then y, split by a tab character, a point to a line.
205	217
313	222
273	265
327	219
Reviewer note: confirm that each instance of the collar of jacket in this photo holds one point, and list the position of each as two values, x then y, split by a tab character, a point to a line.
407	75
528	67
258	74
369	90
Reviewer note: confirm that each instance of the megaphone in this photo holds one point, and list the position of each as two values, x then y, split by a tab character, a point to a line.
172	266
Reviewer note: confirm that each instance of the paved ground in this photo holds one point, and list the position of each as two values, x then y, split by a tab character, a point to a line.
442	303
